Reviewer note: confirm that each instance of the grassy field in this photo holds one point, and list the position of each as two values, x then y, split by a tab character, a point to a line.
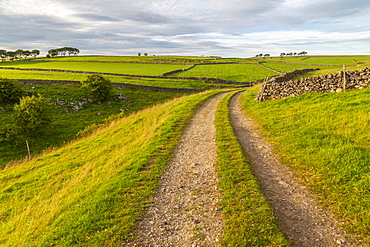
91	192
326	64
46	75
73	112
231	72
119	68
140	59
249	220
324	138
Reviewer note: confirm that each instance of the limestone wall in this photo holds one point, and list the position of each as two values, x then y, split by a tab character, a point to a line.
283	86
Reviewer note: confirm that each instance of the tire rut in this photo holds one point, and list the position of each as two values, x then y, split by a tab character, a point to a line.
185	210
298	214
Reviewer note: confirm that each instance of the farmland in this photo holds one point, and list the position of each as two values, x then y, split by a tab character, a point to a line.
127	68
103	160
231	72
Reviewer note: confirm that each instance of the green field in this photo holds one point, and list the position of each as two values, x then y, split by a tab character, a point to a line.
91	191
230	72
119	68
140	59
156	82
326	64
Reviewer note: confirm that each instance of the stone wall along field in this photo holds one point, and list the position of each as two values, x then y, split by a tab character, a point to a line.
283	86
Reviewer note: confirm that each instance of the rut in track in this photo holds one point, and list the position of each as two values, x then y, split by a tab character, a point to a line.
184	211
299	216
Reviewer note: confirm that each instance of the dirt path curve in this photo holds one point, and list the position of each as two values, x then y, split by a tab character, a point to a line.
299	216
184	212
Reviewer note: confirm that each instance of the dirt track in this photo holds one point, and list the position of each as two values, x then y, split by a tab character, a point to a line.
184	211
299	216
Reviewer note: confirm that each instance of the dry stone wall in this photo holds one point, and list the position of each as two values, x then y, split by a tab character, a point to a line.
283	86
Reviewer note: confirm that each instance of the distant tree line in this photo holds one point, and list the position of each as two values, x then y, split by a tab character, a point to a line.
263	55
18	54
63	51
302	53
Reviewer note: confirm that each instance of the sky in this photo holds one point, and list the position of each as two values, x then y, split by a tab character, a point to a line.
227	28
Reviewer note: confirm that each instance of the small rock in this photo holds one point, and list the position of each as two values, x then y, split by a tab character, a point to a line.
340	241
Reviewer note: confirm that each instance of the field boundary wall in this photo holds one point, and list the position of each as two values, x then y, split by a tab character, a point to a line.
284	86
193	90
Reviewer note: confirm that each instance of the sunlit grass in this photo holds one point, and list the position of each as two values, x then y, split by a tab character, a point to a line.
67	121
324	137
230	72
119	68
249	220
92	192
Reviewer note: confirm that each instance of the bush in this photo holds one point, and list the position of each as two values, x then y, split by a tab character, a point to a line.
12	135
97	87
10	91
32	113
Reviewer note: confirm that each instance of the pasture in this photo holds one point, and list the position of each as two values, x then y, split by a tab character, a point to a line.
102	161
231	72
127	68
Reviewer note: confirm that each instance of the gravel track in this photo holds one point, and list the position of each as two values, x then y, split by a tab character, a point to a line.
185	210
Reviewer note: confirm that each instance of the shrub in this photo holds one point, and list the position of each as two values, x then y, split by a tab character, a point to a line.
11	134
10	91
97	87
32	113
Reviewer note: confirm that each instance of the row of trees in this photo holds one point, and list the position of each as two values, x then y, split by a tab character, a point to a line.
63	51
263	55
18	54
302	53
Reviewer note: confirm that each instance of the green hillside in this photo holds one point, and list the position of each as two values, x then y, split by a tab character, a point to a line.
91	192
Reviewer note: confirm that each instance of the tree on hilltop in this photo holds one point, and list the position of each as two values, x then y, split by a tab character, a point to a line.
63	51
35	53
3	55
11	55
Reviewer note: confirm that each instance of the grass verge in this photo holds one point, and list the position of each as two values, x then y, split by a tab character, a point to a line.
249	220
91	192
324	138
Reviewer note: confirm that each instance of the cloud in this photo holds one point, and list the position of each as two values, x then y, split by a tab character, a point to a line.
189	27
94	17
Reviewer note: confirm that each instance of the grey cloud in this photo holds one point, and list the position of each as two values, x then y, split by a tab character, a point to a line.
125	25
142	16
95	17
